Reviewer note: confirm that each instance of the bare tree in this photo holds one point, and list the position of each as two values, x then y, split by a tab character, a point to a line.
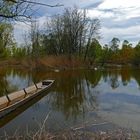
93	28
72	32
34	35
19	9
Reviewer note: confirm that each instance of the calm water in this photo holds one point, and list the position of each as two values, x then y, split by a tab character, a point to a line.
110	97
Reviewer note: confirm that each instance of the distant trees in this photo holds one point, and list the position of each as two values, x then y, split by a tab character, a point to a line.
94	52
71	33
105	54
93	34
118	53
19	52
114	49
36	47
114	44
136	54
126	52
6	39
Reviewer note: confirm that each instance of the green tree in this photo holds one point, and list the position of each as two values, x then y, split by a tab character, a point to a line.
114	50
136	55
19	53
114	44
6	39
94	52
105	55
126	52
71	33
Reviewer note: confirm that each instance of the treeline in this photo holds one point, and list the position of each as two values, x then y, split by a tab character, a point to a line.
124	53
71	34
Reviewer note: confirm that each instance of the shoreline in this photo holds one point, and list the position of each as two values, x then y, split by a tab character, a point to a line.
57	63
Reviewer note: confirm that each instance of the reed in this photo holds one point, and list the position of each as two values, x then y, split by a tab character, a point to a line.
50	62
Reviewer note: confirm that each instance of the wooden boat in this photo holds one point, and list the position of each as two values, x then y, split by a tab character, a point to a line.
14	100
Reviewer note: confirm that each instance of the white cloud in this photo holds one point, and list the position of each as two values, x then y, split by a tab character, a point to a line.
112	4
120	10
123	14
119	18
94	13
20	28
129	33
22	25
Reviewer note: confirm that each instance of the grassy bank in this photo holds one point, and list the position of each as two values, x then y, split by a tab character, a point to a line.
119	134
48	62
55	62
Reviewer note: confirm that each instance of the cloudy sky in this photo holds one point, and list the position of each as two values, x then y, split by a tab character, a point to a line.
119	18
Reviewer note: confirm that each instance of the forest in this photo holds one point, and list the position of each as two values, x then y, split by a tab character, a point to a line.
72	35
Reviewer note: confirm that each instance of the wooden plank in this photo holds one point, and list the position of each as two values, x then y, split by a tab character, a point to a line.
20	97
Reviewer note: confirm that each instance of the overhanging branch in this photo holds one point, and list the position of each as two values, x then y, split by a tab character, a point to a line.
20	8
36	3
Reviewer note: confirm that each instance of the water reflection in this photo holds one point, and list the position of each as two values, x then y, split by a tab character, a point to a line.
71	92
77	93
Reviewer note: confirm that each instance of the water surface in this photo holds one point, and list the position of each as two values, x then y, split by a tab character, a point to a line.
108	96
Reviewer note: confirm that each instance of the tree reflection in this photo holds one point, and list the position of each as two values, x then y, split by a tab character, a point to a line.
73	95
114	81
126	75
4	84
136	76
8	74
111	77
75	91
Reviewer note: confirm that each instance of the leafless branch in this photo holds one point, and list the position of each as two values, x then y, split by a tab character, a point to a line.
37	3
16	9
43	4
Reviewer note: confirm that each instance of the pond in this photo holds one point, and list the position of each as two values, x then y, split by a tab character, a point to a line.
109	97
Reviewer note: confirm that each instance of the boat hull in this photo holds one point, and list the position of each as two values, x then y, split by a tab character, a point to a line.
13	107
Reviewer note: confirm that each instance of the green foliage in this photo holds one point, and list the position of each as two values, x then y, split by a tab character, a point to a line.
136	55
126	52
114	44
94	52
105	54
69	34
6	39
20	52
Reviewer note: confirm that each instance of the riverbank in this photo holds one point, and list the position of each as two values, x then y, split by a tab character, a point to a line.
48	62
55	62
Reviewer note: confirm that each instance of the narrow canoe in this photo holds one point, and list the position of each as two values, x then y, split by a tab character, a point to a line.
19	98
